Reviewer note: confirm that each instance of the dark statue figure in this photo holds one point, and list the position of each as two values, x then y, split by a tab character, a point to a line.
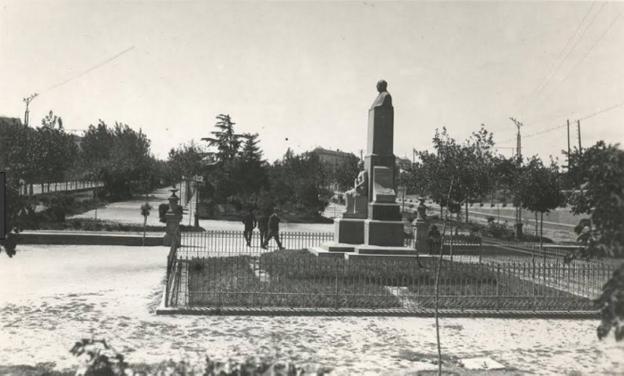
422	209
384	99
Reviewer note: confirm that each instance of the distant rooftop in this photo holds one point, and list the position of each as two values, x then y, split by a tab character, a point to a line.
337	152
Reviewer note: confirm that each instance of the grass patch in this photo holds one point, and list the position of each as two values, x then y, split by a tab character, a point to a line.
293	279
296	278
478	286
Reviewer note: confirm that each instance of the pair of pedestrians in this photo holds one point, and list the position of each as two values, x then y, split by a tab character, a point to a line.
268	227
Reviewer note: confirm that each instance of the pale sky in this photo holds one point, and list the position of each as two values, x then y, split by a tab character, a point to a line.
303	74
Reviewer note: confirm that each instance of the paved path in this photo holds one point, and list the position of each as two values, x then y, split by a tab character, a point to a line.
129	211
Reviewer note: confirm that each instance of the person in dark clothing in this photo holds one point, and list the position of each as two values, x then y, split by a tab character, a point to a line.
434	238
249	220
274	221
263	227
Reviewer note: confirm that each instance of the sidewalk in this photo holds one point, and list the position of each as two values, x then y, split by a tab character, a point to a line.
129	212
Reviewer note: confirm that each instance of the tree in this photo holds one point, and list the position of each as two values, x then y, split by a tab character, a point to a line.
185	160
469	165
475	178
297	184
505	173
225	139
441	167
539	189
347	171
250	170
611	305
119	156
599	172
55	154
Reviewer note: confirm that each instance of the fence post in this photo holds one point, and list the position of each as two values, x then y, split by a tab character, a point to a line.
498	280
336	286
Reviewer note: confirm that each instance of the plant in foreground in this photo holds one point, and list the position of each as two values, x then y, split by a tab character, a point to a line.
97	358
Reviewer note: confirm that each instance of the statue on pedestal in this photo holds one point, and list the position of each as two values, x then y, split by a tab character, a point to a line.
384	99
422	210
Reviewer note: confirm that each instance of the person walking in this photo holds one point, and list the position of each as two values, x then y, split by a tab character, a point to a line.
249	220
263	226
274	221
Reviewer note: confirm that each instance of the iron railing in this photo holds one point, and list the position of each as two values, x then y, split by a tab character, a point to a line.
217	269
30	189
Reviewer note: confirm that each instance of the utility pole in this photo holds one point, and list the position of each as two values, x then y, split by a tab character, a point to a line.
414	156
27	101
518	225
518	139
578	131
568	144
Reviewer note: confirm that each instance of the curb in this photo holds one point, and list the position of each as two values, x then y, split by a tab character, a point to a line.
449	313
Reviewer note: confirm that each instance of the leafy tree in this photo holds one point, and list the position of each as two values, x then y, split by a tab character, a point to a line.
468	165
297	184
539	189
185	160
475	177
55	154
250	171
611	305
505	173
440	168
225	139
346	172
120	157
599	172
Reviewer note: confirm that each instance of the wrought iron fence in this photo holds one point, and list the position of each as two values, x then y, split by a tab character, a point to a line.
29	189
217	269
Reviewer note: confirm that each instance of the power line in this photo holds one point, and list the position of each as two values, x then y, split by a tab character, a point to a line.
575	44
585	117
546	80
579	62
601	111
110	59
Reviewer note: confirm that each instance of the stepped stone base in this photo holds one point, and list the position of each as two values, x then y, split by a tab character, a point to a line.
383	233
349	230
383	250
365	252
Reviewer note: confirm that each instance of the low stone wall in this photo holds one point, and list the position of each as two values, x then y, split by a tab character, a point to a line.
74	238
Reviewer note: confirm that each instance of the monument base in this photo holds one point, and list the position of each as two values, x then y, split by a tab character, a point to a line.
421	229
384	211
349	230
384	233
384	250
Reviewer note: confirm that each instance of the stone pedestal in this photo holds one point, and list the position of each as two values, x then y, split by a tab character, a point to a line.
172	229
380	149
357	207
173	217
421	229
383	232
349	231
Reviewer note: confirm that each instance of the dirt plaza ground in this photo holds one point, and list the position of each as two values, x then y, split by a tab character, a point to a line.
53	296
